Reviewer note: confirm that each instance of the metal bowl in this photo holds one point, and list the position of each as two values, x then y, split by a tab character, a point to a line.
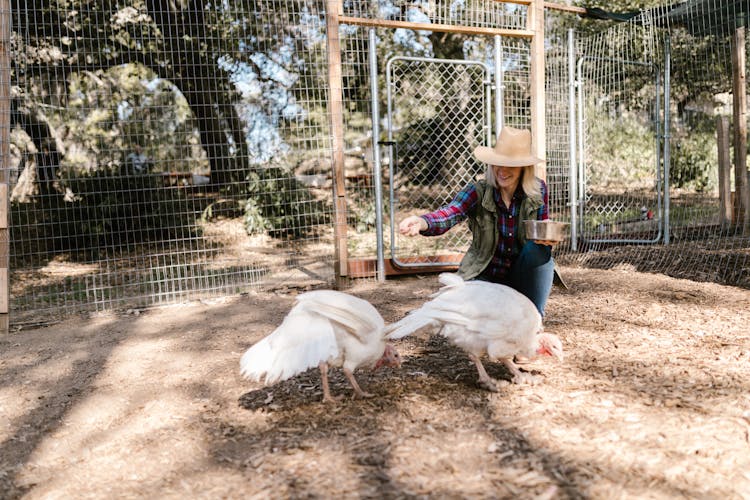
545	230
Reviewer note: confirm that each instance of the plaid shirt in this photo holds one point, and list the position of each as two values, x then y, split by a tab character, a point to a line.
498	270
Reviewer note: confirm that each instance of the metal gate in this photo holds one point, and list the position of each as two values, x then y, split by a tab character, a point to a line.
438	112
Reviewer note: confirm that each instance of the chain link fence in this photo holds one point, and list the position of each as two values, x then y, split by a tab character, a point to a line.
437	115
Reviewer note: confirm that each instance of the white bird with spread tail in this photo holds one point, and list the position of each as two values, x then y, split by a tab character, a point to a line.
483	318
324	328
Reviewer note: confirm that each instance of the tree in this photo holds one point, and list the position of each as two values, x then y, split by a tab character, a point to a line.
202	49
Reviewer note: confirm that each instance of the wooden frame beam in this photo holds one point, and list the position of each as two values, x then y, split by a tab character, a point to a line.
538	120
442	28
564	8
336	120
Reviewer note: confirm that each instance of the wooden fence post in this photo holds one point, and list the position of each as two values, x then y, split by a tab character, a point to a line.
725	172
538	125
739	107
336	120
4	164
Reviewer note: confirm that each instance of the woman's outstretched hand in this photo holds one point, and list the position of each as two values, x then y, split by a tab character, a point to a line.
412	225
549	243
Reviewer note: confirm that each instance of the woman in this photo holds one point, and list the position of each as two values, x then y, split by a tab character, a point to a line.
496	208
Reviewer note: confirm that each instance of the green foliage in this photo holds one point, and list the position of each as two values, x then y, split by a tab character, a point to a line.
107	211
621	150
225	207
365	215
281	206
114	110
253	219
694	155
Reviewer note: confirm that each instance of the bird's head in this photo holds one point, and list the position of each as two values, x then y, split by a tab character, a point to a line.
550	345
390	358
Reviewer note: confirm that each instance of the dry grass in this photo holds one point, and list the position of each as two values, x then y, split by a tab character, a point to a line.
653	401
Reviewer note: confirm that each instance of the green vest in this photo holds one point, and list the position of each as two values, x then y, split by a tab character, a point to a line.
485	235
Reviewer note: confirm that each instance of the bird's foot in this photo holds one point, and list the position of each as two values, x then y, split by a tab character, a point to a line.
327	398
362	394
525	378
521	360
488	383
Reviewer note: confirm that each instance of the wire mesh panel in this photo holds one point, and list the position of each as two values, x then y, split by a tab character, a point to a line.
437	115
699	158
470	13
558	147
167	151
160	152
620	192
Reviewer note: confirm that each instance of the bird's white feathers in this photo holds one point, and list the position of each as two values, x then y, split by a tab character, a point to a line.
477	316
323	326
354	313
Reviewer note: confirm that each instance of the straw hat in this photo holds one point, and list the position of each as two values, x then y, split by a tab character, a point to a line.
512	149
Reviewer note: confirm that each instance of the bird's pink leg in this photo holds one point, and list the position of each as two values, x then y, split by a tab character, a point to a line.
484	379
323	366
354	383
519	377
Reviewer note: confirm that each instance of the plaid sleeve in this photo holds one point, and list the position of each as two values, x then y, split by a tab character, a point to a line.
543	212
442	219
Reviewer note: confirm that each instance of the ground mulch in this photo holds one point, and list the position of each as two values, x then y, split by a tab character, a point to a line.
652	401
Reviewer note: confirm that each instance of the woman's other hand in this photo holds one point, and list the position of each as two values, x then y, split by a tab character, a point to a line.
412	225
549	243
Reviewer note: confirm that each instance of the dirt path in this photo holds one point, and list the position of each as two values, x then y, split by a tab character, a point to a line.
653	401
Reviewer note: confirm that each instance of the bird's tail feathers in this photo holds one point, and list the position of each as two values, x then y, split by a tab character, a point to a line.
408	325
352	312
257	361
280	356
450	281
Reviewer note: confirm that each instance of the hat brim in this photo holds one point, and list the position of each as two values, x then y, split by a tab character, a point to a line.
491	157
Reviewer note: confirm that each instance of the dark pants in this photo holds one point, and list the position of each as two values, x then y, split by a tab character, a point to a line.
532	273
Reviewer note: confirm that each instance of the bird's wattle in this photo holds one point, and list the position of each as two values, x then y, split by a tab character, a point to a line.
379	363
390	358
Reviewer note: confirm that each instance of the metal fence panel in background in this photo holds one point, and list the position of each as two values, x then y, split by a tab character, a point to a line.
170	151
430	127
622	221
162	152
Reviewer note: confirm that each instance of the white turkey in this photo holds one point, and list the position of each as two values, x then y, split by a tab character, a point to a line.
324	328
483	318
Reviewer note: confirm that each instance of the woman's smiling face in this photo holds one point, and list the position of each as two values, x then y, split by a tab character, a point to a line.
507	177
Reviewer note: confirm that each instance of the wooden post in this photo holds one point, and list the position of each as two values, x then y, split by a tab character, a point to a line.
336	120
4	163
538	134
725	172
739	108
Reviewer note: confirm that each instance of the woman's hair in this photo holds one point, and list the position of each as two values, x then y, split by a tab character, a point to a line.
529	182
